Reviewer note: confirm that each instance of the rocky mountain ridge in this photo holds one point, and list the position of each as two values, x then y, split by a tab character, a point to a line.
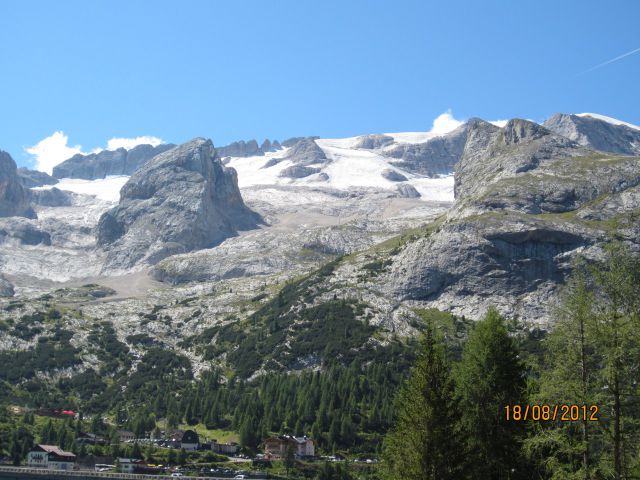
182	200
108	162
522	196
596	133
528	202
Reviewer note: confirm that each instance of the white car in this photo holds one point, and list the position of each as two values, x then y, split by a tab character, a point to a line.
240	477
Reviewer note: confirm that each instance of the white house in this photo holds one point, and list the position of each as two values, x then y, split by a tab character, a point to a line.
51	457
129	465
190	441
276	447
225	448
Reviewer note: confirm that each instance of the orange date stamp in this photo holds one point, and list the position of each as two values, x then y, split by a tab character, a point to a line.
544	413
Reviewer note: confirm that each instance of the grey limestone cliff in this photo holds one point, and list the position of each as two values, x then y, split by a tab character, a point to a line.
595	133
248	148
436	156
526	205
34	178
108	162
52	197
14	198
182	200
373	142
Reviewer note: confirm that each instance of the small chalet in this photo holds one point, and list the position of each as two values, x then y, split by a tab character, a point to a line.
126	436
225	448
190	440
130	465
51	457
276	447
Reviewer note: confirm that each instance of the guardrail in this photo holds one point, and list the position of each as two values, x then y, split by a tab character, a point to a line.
49	474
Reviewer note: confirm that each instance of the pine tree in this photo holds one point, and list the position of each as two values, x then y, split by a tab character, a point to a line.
567	449
618	342
490	377
426	441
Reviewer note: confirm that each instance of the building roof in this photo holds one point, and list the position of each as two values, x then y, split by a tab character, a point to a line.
190	436
56	451
290	438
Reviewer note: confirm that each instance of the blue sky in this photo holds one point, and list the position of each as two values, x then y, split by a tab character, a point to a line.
229	70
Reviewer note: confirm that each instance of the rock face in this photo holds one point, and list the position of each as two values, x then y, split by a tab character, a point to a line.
595	133
108	162
302	153
182	200
33	178
23	231
372	142
240	149
523	198
14	198
407	190
53	197
393	176
6	288
306	152
248	148
298	171
434	157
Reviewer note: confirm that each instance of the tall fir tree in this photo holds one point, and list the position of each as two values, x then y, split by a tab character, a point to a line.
490	377
426	441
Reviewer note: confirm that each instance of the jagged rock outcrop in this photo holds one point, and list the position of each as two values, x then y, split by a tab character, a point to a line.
436	156
240	149
302	153
108	162
52	197
523	197
290	142
525	167
298	171
34	178
372	142
14	198
23	231
407	190
595	133
182	200
393	176
306	152
248	148
6	287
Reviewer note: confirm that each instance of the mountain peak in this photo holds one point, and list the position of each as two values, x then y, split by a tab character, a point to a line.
517	130
597	131
182	200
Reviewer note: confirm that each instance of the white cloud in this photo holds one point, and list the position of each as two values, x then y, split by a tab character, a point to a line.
444	123
54	149
129	143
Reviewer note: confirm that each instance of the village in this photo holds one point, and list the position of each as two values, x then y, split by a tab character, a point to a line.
283	448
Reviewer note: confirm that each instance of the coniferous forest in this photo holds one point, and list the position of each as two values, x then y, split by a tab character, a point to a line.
496	399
